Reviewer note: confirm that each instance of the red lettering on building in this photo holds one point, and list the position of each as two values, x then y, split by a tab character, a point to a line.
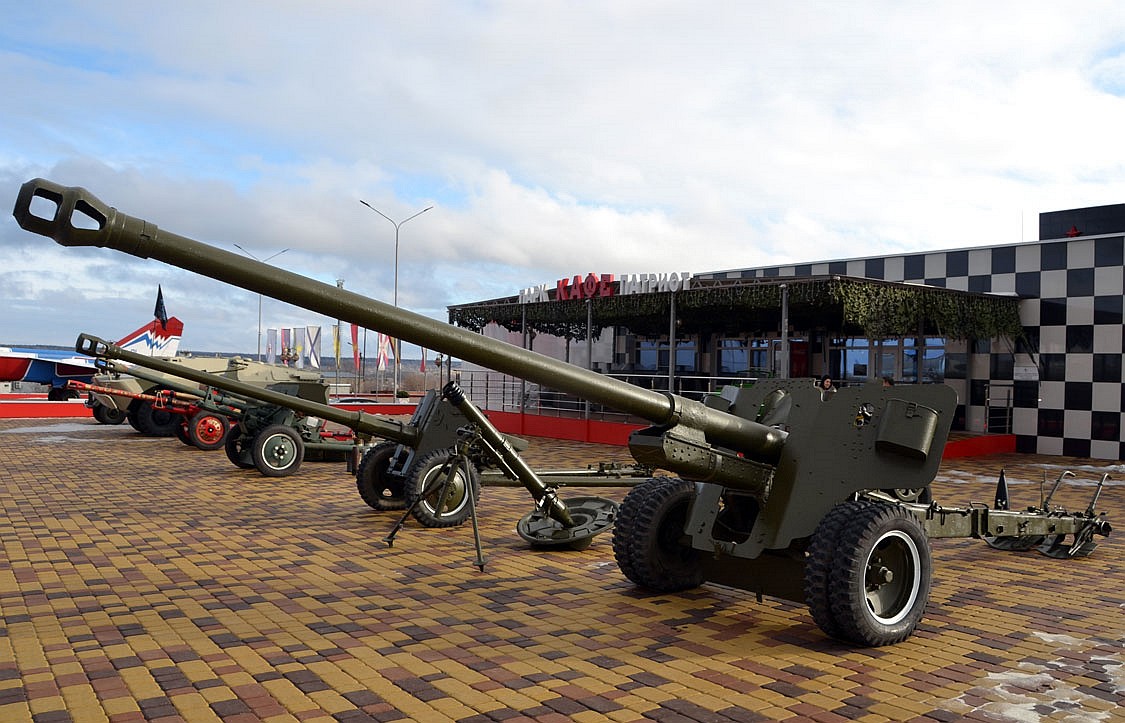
584	288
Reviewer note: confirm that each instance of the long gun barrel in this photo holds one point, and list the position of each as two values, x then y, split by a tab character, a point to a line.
357	421
80	219
175	384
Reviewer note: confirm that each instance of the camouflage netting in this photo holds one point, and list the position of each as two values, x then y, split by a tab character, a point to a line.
854	306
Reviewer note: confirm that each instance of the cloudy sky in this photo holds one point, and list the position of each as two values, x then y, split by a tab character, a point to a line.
551	139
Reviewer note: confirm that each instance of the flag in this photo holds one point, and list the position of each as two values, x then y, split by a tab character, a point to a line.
384	349
286	345
423	370
299	342
355	346
159	312
336	344
271	346
312	341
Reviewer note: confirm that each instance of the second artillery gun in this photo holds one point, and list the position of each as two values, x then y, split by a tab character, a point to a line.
431	464
780	490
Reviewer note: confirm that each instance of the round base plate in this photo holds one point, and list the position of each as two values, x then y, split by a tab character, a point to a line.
591	515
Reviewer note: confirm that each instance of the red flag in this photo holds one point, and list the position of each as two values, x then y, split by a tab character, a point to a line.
423	361
355	345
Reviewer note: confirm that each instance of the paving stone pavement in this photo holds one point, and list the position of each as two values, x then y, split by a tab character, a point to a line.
145	580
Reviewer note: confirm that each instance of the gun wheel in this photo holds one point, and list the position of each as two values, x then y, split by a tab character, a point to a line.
648	536
181	432
879	581
438	491
375	486
277	451
208	431
107	415
821	558
234	447
153	422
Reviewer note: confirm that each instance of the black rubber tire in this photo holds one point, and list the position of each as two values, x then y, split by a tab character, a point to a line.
131	414
233	447
371	480
647	536
208	430
278	451
879	541
429	512
61	394
155	422
819	561
107	415
181	432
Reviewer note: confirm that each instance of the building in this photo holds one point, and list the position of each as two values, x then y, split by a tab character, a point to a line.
1028	334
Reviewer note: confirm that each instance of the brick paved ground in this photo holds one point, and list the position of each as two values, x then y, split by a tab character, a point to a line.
144	580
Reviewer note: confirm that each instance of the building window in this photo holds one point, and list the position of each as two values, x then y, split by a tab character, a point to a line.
888	359
744	357
852	358
856	360
933	362
652	356
687	360
649	357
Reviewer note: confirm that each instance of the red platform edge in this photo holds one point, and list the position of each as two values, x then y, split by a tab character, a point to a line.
978	446
20	406
36	406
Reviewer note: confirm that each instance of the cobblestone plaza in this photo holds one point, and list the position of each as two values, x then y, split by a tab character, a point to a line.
145	580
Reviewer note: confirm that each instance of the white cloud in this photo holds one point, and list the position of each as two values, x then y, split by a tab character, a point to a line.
552	138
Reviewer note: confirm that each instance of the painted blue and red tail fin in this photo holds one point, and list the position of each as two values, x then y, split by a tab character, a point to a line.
155	338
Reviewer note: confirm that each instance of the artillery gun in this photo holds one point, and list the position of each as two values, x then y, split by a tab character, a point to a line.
203	419
130	399
780	489
134	394
430	465
225	411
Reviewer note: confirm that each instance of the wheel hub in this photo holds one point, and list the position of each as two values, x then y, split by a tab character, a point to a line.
279	451
890	577
450	494
210	430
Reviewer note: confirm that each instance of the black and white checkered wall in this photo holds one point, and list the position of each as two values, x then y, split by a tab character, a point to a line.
1065	382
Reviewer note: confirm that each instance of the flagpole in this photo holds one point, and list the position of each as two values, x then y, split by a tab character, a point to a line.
398	346
279	253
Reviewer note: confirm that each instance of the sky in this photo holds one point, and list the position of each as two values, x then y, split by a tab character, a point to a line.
550	138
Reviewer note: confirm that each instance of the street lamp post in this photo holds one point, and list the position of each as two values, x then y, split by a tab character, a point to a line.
398	349
338	341
279	253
